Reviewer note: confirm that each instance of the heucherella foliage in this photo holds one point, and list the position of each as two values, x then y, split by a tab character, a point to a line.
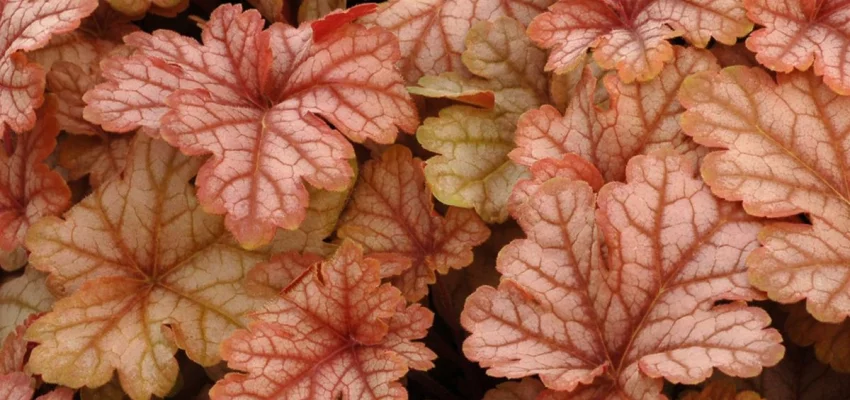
336	332
26	25
631	35
786	153
596	319
260	102
146	272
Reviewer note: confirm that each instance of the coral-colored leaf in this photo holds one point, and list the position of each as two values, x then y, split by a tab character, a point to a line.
146	271
267	90
335	333
29	190
14	348
138	8
100	157
269	278
527	389
432	32
798	33
272	10
631	35
640	118
604	320
391	211
22	297
786	154
27	25
472	168
311	10
16	386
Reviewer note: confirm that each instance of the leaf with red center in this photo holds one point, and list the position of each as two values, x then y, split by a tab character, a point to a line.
100	157
29	189
798	33
527	389
335	333
787	154
258	111
432	32
21	297
641	118
472	169
631	35
27	25
599	320
146	272
391	213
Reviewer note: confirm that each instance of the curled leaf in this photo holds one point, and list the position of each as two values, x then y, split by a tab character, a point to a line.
391	214
335	333
785	155
631	36
598	319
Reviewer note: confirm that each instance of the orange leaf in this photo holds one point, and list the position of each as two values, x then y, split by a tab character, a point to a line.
786	155
335	333
146	271
392	212
606	319
527	389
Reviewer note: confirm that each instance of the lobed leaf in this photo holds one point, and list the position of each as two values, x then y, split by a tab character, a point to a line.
27	25
785	155
597	319
798	33
258	111
29	189
641	117
334	333
831	341
631	35
22	297
799	376
138	8
101	157
391	215
146	272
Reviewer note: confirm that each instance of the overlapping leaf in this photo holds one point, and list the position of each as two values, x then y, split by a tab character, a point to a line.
27	25
631	35
138	8
432	32
29	189
640	118
831	341
391	215
799	33
527	389
335	333
146	271
21	297
799	376
606	321
100	157
253	99
472	168
721	390
787	154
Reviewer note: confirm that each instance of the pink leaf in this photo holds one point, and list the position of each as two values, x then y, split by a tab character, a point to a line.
16	386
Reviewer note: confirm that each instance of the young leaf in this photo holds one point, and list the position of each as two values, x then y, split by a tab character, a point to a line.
631	35
786	155
335	333
27	25
22	297
527	389
798	33
147	272
391	215
257	112
29	189
432	32
604	321
472	168
641	117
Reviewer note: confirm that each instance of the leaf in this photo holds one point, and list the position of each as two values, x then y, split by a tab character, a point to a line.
21	297
16	386
599	320
472	168
29	190
27	25
799	376
335	333
102	157
14	348
798	33
138	8
269	92
631	35
146	272
786	155
641	118
831	341
527	389
268	279
736	54
311	10
391	214
432	32
720	390
272	10
13	260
